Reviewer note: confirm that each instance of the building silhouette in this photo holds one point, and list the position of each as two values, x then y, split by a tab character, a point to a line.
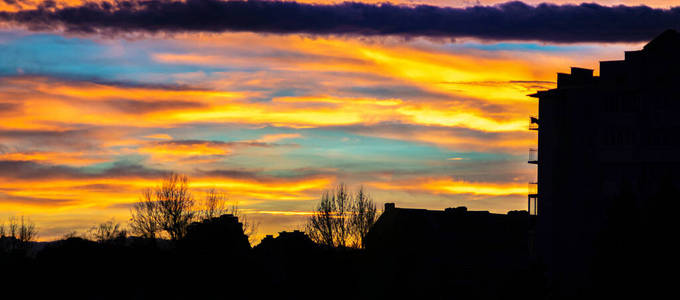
608	154
478	237
287	243
451	253
223	234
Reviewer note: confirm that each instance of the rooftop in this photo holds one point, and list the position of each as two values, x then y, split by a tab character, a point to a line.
668	41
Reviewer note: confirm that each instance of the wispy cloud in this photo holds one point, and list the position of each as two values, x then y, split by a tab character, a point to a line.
454	187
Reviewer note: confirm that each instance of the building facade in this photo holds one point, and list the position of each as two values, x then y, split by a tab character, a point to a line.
608	150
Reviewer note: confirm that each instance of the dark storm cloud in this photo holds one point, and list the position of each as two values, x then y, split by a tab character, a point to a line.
508	21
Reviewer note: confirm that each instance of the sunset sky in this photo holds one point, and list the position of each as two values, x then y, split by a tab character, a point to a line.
93	110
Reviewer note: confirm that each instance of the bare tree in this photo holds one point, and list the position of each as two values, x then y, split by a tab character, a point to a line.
363	217
214	205
330	225
27	231
144	216
70	235
169	208
217	203
19	233
341	218
320	225
22	229
107	232
175	205
13	227
343	206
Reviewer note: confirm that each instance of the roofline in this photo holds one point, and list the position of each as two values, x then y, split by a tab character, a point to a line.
538	94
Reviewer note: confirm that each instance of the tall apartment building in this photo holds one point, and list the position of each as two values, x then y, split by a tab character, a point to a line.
606	145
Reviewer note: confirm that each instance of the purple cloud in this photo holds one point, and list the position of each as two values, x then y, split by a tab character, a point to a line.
508	21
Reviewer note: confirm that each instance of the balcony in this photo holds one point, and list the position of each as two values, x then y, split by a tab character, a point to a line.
533	123
532	205
533	188
533	156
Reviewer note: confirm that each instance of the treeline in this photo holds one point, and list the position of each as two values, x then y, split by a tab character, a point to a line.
342	217
17	234
179	247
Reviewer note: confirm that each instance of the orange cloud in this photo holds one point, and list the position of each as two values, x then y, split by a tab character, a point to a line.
170	151
102	193
471	79
159	136
51	102
450	186
282	213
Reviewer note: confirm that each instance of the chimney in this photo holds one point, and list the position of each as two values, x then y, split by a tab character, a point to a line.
389	206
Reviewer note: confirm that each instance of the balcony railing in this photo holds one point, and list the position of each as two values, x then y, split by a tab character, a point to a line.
533	123
532	205
533	156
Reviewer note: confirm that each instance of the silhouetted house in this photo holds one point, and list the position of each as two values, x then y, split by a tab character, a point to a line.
287	243
608	148
451	253
454	235
221	234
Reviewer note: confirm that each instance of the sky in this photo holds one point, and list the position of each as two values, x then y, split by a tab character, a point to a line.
425	106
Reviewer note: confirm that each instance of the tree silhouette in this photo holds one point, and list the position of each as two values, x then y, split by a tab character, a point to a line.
214	204
145	219
169	207
341	218
176	205
107	232
20	232
364	214
328	225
